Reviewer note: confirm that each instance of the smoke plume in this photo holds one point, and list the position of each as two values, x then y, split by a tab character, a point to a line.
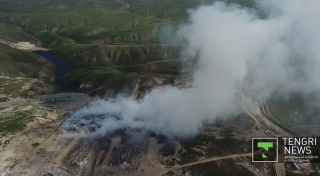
235	49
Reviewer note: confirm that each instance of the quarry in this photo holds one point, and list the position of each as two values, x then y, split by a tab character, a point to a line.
23	46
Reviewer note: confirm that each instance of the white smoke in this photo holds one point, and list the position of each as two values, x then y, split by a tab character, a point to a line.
235	49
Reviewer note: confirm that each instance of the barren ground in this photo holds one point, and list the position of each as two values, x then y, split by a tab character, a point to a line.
58	155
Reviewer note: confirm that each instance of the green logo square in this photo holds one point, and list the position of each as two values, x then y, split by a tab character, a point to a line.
264	149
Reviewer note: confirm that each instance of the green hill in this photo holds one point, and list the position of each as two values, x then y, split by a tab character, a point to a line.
99	34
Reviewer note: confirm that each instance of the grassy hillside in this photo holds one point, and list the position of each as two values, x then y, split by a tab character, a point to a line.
84	55
23	73
97	35
16	63
14	34
98	80
56	22
299	113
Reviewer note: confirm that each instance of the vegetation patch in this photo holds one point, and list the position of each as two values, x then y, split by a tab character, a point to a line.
295	113
222	167
16	119
4	99
17	123
207	147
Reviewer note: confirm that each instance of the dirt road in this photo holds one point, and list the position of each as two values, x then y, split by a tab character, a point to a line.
280	170
208	160
161	171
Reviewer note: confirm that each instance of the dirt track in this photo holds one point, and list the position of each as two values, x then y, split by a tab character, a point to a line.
208	160
280	170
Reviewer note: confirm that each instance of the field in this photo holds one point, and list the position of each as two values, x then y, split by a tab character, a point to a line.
299	113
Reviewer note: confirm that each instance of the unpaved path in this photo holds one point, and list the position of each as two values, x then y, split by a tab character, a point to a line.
256	122
161	171
208	160
106	160
280	170
20	148
56	162
66	150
